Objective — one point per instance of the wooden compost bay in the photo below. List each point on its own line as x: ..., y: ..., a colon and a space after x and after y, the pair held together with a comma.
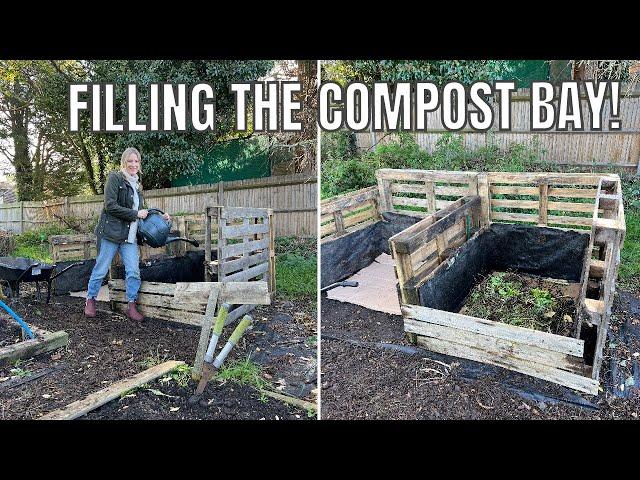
x: 445, y: 230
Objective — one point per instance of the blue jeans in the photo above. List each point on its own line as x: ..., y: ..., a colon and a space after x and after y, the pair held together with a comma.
x: 130, y: 258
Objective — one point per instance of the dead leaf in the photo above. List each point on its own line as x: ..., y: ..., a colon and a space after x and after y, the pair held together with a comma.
x: 567, y: 318
x: 549, y: 314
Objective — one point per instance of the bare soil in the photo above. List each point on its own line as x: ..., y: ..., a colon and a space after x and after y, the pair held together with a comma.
x: 111, y: 347
x: 369, y: 371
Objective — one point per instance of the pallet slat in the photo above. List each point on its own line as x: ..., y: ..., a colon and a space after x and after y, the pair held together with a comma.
x: 549, y: 341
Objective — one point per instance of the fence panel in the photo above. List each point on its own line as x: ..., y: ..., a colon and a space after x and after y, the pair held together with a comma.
x: 292, y: 198
x: 618, y: 148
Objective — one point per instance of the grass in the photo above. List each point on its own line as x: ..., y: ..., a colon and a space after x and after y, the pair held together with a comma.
x: 153, y: 359
x: 244, y: 372
x: 629, y: 271
x: 296, y: 267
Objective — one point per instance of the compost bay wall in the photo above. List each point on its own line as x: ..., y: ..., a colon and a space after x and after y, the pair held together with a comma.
x: 292, y: 198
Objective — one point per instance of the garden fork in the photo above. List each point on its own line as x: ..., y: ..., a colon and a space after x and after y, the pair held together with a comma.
x: 210, y: 365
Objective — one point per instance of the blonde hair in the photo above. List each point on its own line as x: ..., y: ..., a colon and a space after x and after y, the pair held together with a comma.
x: 125, y: 155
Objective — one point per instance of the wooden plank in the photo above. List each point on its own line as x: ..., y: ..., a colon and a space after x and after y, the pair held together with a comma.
x: 515, y: 217
x: 419, y: 188
x: 246, y: 275
x: 238, y: 312
x: 514, y: 190
x: 342, y: 202
x: 112, y: 392
x: 572, y: 206
x: 410, y: 202
x: 244, y: 212
x: 499, y: 346
x: 551, y: 177
x: 524, y: 204
x: 549, y: 341
x: 566, y: 220
x: 297, y: 402
x: 205, y: 331
x: 254, y: 293
x: 561, y: 377
x: 238, y: 249
x: 178, y: 316
x: 572, y: 192
x: 358, y: 217
x: 420, y: 237
x: 230, y: 266
x: 240, y: 230
x: 33, y: 347
x: 426, y: 175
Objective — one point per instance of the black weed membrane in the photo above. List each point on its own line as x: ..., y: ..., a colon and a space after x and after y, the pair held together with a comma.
x: 347, y: 255
x: 539, y: 251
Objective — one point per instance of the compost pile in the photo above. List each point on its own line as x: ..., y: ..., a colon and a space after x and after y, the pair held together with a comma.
x: 522, y: 300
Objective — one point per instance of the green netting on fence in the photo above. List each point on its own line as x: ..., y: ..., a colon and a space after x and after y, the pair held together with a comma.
x: 232, y: 160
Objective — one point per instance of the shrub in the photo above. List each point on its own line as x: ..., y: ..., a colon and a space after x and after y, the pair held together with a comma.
x: 34, y: 244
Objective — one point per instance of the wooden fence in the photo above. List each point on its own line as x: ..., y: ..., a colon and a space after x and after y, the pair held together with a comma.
x: 292, y: 198
x: 620, y: 148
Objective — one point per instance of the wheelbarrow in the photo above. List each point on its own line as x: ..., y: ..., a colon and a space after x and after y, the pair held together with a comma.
x: 14, y: 270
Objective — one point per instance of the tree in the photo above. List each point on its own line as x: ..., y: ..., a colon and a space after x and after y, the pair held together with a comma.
x: 168, y: 155
x: 24, y: 141
x: 438, y: 71
x: 301, y: 146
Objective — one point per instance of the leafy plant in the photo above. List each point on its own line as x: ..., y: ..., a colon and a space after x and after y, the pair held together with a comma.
x: 542, y: 299
x: 18, y: 371
x: 181, y: 375
x: 505, y: 289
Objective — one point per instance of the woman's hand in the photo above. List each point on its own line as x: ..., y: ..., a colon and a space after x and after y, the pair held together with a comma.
x: 166, y: 217
x: 143, y: 213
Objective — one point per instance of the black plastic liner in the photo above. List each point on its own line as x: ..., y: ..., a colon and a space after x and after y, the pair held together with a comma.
x: 541, y: 251
x: 188, y: 268
x: 73, y: 280
x: 346, y: 255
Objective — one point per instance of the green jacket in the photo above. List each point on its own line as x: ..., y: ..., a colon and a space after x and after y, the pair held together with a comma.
x: 117, y: 214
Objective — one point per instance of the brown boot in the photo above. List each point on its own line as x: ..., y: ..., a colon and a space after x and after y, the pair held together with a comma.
x: 133, y: 313
x: 90, y: 308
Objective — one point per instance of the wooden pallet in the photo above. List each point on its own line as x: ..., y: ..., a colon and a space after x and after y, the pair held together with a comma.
x: 187, y: 302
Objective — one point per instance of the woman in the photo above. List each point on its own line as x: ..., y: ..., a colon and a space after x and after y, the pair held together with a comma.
x: 116, y: 231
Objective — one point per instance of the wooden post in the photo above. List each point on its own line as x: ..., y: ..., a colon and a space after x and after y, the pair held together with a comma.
x: 485, y: 200
x: 543, y: 202
x: 272, y: 255
x: 431, y: 196
x: 337, y: 218
x: 207, y: 242
x: 220, y: 192
x: 21, y: 216
x: 222, y: 241
x: 205, y: 332
x: 384, y: 189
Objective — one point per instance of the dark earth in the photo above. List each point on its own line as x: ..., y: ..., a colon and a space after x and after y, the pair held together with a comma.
x: 111, y: 347
x: 362, y: 379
